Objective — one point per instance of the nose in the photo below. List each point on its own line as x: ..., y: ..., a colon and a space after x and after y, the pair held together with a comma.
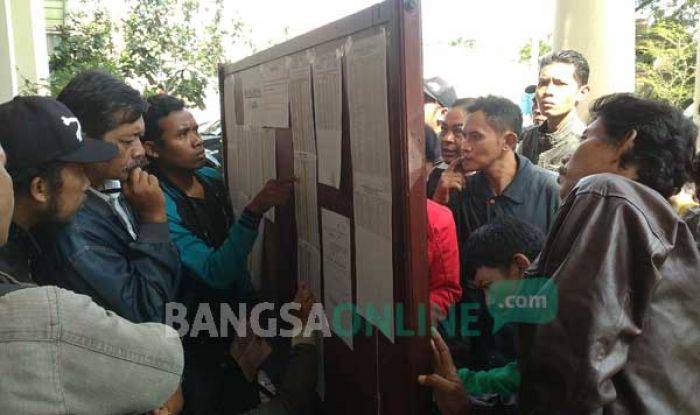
x: 138, y: 151
x: 449, y: 137
x: 548, y: 89
x: 196, y: 140
x: 466, y: 148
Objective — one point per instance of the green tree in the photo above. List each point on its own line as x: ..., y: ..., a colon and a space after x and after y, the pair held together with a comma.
x: 666, y: 62
x: 686, y: 12
x: 87, y: 41
x: 462, y: 42
x: 526, y: 51
x: 163, y: 46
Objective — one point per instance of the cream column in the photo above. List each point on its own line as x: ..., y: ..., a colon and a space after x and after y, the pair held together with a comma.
x: 8, y: 76
x: 696, y: 100
x: 604, y: 32
x: 30, y: 42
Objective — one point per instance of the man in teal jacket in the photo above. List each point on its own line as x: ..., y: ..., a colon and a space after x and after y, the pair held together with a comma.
x: 214, y: 249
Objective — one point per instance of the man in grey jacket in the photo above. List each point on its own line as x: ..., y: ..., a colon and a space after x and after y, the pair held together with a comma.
x: 60, y: 353
x: 562, y: 84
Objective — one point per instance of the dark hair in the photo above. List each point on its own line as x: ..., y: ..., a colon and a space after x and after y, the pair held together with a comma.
x: 433, y: 152
x: 49, y: 172
x: 581, y: 69
x: 101, y: 102
x: 463, y: 103
x: 159, y: 106
x: 495, y: 244
x: 501, y: 113
x: 664, y: 148
x: 695, y: 173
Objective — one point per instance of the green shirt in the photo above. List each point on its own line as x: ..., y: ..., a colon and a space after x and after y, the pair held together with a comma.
x: 503, y: 380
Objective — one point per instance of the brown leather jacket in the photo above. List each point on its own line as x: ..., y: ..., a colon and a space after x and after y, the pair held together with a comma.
x: 626, y: 339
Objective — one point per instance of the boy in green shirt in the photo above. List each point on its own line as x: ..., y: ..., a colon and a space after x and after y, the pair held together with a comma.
x: 499, y: 251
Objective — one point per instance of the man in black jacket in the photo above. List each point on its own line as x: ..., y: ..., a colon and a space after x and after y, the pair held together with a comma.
x: 46, y: 154
x: 117, y: 249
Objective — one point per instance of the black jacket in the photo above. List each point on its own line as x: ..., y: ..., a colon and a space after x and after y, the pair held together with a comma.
x: 95, y: 255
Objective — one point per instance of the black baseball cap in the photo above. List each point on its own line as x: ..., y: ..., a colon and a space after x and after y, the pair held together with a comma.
x: 37, y: 130
x: 439, y: 90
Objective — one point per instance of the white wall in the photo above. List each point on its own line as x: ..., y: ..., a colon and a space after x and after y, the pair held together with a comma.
x: 8, y: 76
x: 23, y: 52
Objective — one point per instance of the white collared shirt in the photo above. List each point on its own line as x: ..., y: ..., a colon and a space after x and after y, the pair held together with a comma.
x: 117, y: 205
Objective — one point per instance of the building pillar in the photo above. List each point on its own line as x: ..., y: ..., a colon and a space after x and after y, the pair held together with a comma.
x: 8, y: 75
x: 696, y: 96
x: 31, y: 54
x: 604, y: 32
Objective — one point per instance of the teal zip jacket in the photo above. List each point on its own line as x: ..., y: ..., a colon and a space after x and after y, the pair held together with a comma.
x: 224, y: 267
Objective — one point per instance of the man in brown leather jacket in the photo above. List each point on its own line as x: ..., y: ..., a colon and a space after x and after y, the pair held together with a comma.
x: 626, y: 338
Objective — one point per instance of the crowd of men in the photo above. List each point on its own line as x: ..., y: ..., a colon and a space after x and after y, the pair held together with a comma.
x: 603, y: 231
x: 108, y: 198
x: 108, y: 212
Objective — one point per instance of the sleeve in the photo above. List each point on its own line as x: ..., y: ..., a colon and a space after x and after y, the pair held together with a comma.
x: 443, y: 252
x: 136, y: 284
x: 599, y: 255
x: 111, y: 365
x: 552, y: 199
x: 224, y: 267
x: 503, y: 381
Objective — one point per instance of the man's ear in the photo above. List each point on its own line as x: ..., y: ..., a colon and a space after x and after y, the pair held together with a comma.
x: 511, y: 140
x: 151, y: 149
x: 582, y: 92
x: 518, y: 265
x: 39, y: 190
x: 626, y: 144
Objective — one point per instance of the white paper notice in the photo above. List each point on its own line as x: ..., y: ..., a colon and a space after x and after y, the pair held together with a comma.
x: 252, y: 97
x: 233, y: 136
x: 309, y: 266
x: 337, y: 273
x: 237, y: 165
x: 305, y: 198
x: 274, y: 95
x: 371, y: 166
x: 255, y: 160
x: 269, y: 162
x: 300, y: 101
x: 255, y: 259
x: 328, y: 104
x: 230, y: 101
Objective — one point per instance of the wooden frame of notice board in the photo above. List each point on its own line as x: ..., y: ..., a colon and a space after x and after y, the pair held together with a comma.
x: 377, y: 375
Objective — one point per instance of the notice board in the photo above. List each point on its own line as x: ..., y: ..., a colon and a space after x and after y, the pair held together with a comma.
x: 340, y: 108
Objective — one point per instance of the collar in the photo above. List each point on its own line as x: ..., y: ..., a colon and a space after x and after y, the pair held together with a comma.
x: 99, y: 194
x: 572, y: 124
x: 107, y: 190
x: 110, y: 186
x: 517, y: 189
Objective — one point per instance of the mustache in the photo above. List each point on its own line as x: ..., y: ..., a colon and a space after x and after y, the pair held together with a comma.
x: 140, y: 162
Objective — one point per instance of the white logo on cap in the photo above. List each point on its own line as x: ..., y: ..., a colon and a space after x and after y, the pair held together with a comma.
x: 67, y: 121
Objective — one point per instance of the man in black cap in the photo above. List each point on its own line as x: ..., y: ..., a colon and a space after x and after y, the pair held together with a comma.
x: 46, y: 152
x: 117, y: 249
x: 438, y: 97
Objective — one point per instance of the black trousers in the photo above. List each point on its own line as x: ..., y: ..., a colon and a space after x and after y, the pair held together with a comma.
x: 213, y: 384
